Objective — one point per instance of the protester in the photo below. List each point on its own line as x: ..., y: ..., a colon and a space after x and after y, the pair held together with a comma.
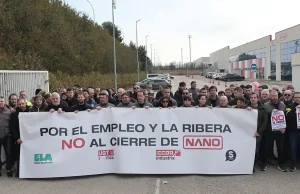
x: 15, y: 128
x: 82, y: 104
x: 269, y: 135
x: 213, y: 100
x: 5, y: 136
x: 141, y: 103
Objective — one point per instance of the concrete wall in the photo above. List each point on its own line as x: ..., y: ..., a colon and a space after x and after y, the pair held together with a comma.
x: 220, y: 58
x: 296, y: 71
x: 283, y: 36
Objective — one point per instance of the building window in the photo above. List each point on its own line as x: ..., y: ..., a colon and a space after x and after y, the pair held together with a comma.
x: 286, y: 51
x: 273, y: 62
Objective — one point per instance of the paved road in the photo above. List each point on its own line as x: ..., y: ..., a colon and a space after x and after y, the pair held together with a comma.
x: 271, y: 181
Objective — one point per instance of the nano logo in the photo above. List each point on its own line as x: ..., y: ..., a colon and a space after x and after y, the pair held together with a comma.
x: 208, y: 142
x: 42, y: 158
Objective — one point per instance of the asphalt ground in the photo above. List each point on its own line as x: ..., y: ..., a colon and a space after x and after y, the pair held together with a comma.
x: 270, y: 181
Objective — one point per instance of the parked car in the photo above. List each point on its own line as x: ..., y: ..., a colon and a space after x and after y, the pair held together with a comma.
x: 209, y: 74
x: 233, y: 77
x: 155, y: 82
x: 220, y: 75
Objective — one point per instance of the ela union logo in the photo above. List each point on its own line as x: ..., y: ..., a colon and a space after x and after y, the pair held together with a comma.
x: 42, y: 158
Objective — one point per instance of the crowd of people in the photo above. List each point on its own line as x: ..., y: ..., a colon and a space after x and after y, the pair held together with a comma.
x: 264, y: 99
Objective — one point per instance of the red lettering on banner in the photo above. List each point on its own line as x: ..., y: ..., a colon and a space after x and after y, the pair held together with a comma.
x: 203, y: 142
x: 277, y: 118
x: 168, y: 153
x: 77, y: 143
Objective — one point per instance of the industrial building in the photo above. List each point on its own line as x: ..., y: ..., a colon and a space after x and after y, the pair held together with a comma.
x: 276, y: 59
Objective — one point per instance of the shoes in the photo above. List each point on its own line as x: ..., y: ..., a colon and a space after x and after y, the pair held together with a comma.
x: 263, y: 167
x: 282, y: 168
x: 9, y: 174
x: 293, y: 169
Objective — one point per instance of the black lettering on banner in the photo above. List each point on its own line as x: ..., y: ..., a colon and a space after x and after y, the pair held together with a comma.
x: 139, y: 128
x: 132, y: 141
x: 130, y: 128
x: 53, y: 131
x: 169, y: 141
x: 95, y: 129
x: 105, y: 129
x: 78, y: 130
x: 153, y: 127
x: 172, y: 128
x: 97, y: 143
x: 208, y: 128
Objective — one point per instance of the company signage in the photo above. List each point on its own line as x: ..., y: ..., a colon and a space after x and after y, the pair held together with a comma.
x: 139, y: 141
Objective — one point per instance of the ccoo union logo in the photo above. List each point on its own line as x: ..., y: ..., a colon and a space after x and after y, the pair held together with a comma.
x: 42, y: 158
x: 167, y: 154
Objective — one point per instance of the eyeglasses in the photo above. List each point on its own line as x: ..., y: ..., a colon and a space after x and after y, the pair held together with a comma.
x: 165, y: 101
x: 287, y: 94
x: 136, y: 88
x: 185, y: 93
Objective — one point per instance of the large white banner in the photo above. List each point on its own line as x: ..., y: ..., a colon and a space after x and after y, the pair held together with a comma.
x: 140, y: 141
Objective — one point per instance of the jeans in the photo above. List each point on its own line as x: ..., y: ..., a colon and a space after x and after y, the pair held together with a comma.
x: 294, y: 139
x: 6, y: 143
x: 267, y: 145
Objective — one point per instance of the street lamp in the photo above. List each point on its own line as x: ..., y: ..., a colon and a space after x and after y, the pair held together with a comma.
x: 187, y: 73
x: 114, y: 38
x: 146, y: 55
x: 137, y: 51
x: 92, y: 8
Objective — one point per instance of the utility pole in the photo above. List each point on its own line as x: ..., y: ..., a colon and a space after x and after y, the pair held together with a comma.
x: 146, y: 55
x: 187, y: 71
x: 154, y: 57
x: 137, y: 51
x: 181, y: 57
x: 114, y: 37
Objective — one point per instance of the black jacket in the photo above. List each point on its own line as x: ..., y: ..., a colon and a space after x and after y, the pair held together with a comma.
x: 14, y: 126
x: 262, y: 118
x: 210, y: 102
x: 178, y: 96
x: 80, y: 107
x: 291, y: 118
x: 63, y: 105
x: 71, y: 102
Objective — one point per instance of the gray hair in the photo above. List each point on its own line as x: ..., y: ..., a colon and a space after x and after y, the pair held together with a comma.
x: 55, y: 95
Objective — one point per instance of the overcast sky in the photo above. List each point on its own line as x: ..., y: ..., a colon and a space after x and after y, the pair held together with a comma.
x: 213, y: 24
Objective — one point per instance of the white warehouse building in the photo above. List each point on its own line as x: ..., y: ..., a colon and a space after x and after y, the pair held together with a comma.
x: 273, y: 58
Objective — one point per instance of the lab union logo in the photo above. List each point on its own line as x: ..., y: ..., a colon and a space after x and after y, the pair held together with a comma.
x: 42, y: 158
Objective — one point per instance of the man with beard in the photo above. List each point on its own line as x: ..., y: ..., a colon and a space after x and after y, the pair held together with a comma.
x: 178, y: 96
x: 223, y: 102
x: 15, y: 128
x: 269, y: 135
x: 81, y: 105
x: 12, y: 101
x: 56, y: 104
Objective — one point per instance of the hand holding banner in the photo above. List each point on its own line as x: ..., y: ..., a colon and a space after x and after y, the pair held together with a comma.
x: 298, y: 116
